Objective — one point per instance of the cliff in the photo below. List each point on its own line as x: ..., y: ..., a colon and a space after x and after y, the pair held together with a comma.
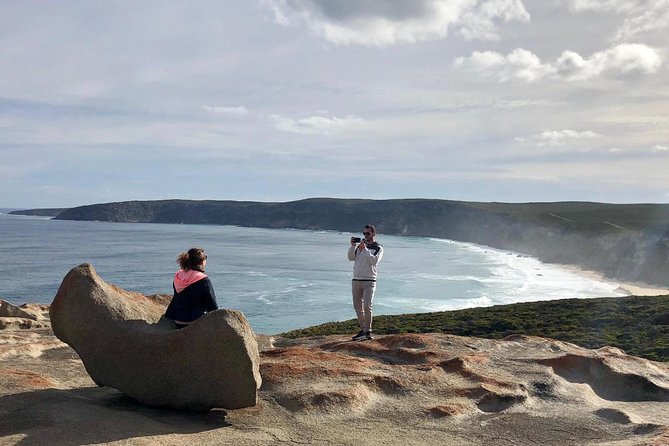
x: 625, y: 242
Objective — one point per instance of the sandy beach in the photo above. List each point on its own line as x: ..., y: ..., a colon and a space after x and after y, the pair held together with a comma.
x: 628, y: 288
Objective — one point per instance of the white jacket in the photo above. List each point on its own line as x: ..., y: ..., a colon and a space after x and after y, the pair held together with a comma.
x: 366, y: 261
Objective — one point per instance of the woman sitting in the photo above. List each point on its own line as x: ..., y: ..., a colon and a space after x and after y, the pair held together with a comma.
x: 193, y: 292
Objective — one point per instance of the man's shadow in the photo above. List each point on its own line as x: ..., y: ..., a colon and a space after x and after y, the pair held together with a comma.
x: 93, y: 415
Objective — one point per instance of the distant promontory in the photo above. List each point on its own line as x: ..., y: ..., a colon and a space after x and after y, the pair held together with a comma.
x: 49, y: 212
x: 623, y: 241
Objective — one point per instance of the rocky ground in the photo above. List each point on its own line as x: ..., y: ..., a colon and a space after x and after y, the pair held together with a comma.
x: 395, y: 389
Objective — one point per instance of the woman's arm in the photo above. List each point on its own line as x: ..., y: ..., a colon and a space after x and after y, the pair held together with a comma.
x: 208, y: 295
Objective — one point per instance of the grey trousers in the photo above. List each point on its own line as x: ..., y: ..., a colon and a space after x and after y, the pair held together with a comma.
x: 363, y: 294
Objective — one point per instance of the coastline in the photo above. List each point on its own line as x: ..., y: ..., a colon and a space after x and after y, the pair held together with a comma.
x: 626, y: 288
x: 629, y: 288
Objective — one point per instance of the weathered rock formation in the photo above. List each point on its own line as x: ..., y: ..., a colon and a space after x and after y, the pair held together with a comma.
x: 427, y: 389
x: 25, y: 316
x: 124, y: 344
x: 521, y: 390
x: 9, y: 310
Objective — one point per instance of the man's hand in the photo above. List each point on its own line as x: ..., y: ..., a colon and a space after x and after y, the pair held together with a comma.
x: 362, y: 245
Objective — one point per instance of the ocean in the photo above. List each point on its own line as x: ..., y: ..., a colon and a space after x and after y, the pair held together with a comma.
x: 281, y: 279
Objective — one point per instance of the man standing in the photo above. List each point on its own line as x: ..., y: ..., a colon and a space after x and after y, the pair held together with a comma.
x: 366, y: 255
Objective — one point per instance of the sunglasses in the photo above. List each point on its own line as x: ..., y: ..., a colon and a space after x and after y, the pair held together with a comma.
x: 366, y: 233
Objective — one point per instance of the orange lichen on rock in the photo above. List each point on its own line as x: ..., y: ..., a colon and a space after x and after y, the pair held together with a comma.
x: 449, y: 410
x: 30, y: 380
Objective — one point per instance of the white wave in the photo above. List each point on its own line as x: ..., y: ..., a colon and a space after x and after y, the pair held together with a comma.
x: 294, y: 288
x: 482, y: 301
x: 264, y: 298
x: 255, y: 274
x: 447, y: 278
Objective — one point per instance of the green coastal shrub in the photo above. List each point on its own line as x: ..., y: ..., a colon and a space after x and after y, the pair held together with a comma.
x: 637, y: 325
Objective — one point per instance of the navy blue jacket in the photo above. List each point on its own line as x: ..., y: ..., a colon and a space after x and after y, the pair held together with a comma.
x: 192, y: 302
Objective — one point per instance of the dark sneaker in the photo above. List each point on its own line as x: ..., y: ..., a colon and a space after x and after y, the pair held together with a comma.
x: 361, y: 334
x: 368, y: 335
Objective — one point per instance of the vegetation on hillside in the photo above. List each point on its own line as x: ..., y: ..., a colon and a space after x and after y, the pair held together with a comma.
x: 49, y: 212
x: 637, y: 325
x: 587, y: 216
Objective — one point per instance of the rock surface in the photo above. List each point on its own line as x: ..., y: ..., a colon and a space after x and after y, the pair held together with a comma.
x: 429, y: 389
x: 124, y: 344
x: 9, y: 310
x: 25, y: 316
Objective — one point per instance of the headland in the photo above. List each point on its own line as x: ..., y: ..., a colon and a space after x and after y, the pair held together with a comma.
x: 626, y: 242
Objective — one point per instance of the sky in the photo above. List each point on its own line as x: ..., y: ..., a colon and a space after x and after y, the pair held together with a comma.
x: 280, y: 100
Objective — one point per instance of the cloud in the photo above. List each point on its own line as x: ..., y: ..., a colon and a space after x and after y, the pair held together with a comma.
x: 635, y: 120
x: 519, y: 64
x: 623, y: 58
x: 555, y: 138
x: 641, y: 16
x: 217, y: 109
x: 654, y: 19
x: 523, y: 65
x: 602, y: 5
x: 659, y: 148
x: 383, y: 22
x: 316, y: 125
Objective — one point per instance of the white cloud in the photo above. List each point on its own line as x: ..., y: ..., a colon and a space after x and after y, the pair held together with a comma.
x: 641, y: 16
x: 659, y: 148
x: 623, y: 58
x: 521, y: 64
x: 559, y: 137
x: 382, y: 22
x: 316, y: 125
x: 479, y: 23
x: 651, y: 20
x: 217, y: 109
x: 602, y: 5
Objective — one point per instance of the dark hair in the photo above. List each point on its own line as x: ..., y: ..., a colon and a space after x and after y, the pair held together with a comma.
x: 371, y: 228
x: 192, y: 259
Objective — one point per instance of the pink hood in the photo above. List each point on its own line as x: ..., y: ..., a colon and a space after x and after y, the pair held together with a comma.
x: 184, y: 278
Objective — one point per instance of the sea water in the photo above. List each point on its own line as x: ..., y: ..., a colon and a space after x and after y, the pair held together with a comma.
x: 280, y: 279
